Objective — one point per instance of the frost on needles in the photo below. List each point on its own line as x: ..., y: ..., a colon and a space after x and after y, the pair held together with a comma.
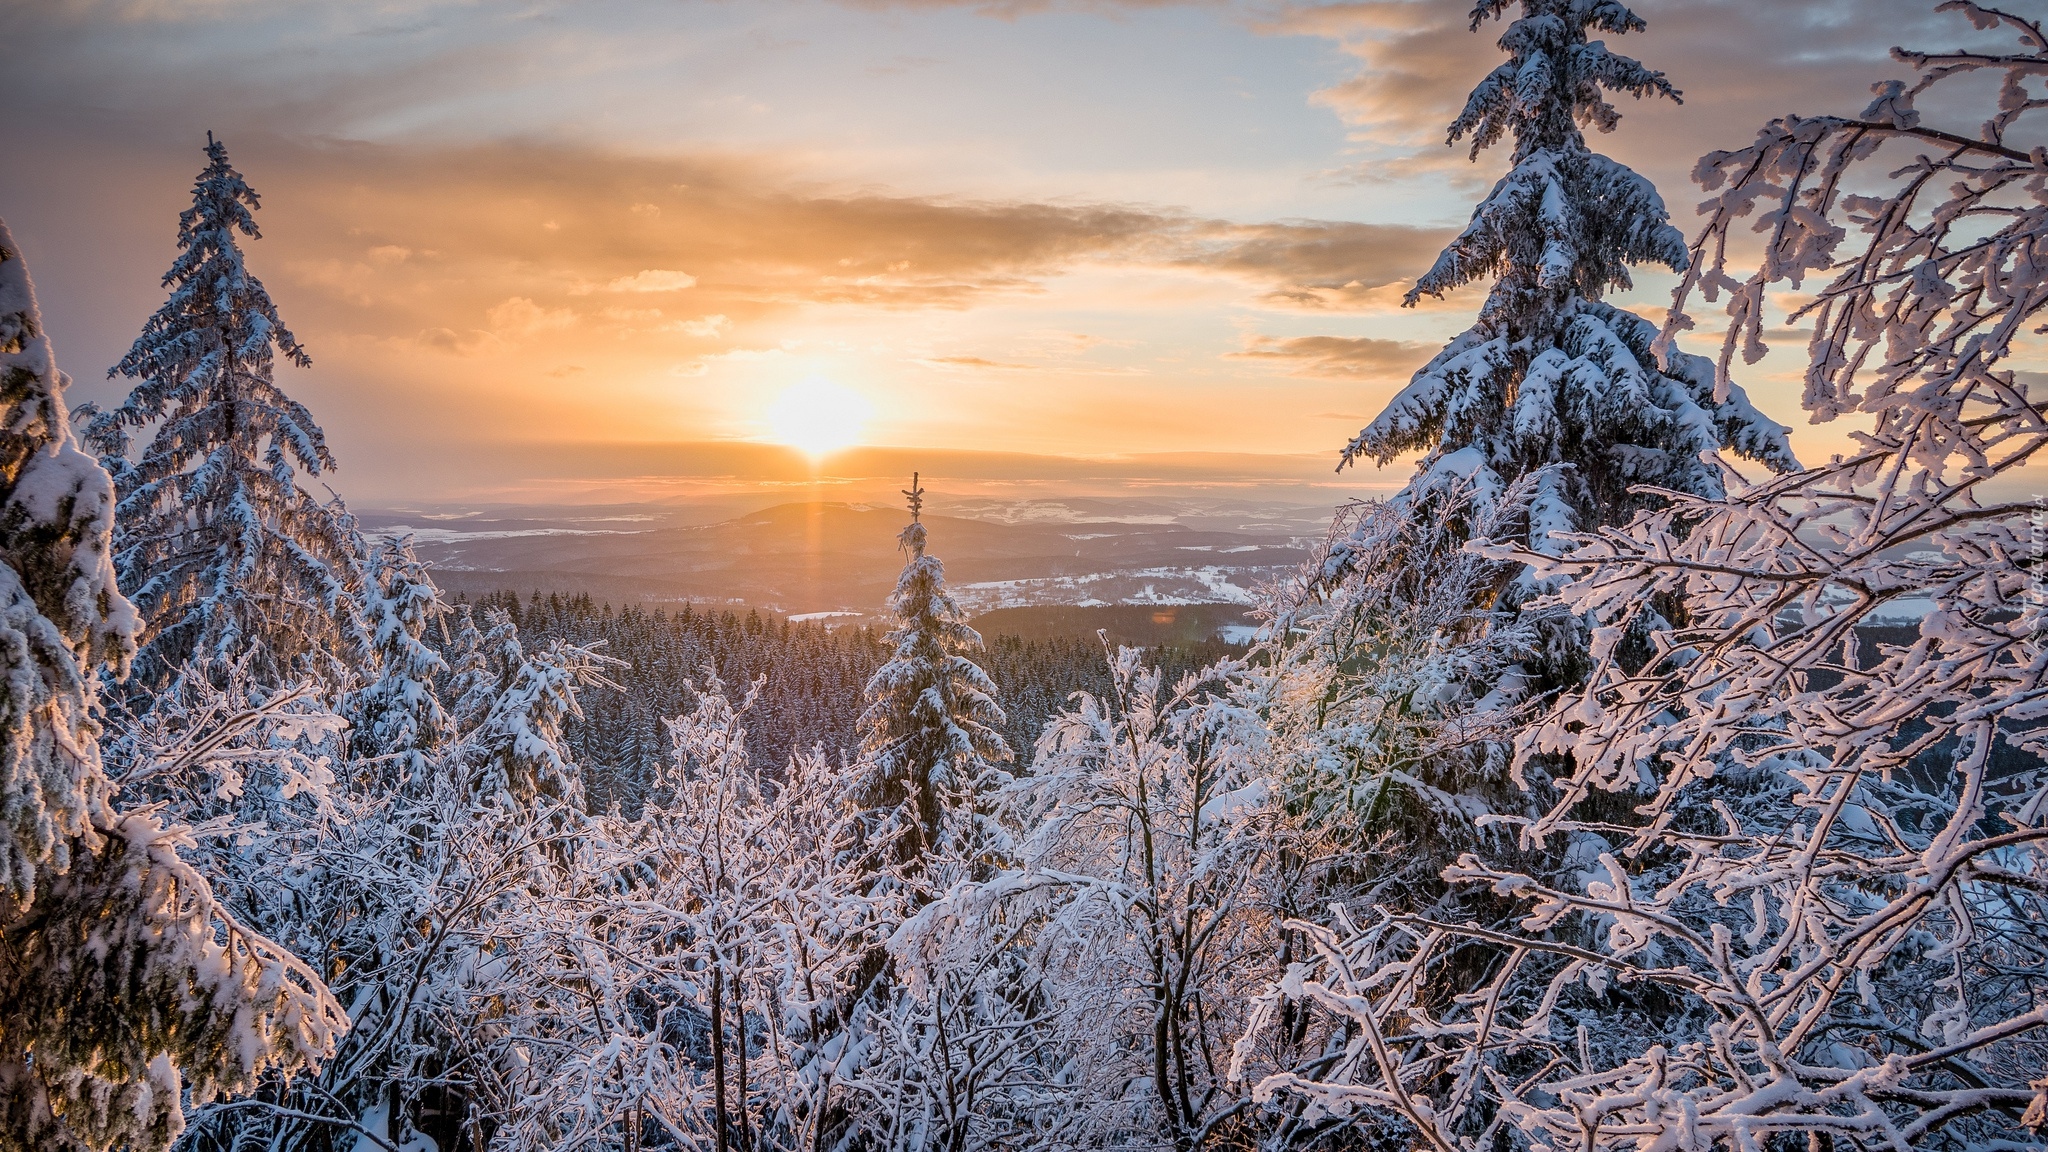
x: 1552, y: 381
x: 220, y: 547
x: 126, y: 986
x: 931, y: 734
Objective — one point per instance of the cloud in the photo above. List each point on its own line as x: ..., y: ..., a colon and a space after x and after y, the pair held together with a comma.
x: 755, y: 243
x: 1339, y: 356
x: 1318, y: 263
x: 653, y: 280
x: 977, y: 362
x: 1739, y: 63
x: 747, y: 234
x: 704, y: 326
x: 521, y: 317
x: 1012, y: 9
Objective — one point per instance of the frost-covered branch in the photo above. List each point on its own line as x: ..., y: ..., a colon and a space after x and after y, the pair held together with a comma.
x: 1802, y: 817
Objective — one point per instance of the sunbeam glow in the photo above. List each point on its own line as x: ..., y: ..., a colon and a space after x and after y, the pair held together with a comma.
x: 817, y: 416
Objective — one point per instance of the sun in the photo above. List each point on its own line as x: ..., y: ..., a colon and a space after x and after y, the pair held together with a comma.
x: 817, y: 416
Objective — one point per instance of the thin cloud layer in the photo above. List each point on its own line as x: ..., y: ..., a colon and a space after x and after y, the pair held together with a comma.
x: 516, y: 240
x: 638, y: 222
x: 1738, y: 64
x: 1340, y: 357
x: 488, y: 291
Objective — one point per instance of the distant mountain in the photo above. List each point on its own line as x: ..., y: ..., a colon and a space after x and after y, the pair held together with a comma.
x: 815, y: 558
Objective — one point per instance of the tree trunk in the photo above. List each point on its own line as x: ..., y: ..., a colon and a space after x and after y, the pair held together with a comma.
x: 718, y: 1054
x: 739, y: 1006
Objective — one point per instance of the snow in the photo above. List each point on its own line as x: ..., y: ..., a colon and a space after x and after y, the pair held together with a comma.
x: 1543, y: 813
x: 1790, y: 877
x: 267, y: 568
x: 1205, y: 584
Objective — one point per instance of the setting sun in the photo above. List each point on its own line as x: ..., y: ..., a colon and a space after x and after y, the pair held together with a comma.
x: 818, y: 416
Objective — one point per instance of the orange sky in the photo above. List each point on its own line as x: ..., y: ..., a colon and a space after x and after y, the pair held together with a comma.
x: 539, y: 250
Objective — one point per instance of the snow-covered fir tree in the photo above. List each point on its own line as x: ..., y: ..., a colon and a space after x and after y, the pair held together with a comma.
x: 1551, y: 380
x: 931, y: 732
x: 399, y: 715
x: 1553, y: 413
x: 219, y: 544
x: 126, y: 987
x: 483, y: 661
x: 1812, y: 908
x: 516, y: 755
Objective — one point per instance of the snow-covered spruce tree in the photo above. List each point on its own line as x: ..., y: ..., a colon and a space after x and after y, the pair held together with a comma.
x: 400, y: 715
x: 1552, y: 394
x: 931, y: 734
x: 1552, y: 381
x: 125, y: 985
x: 218, y: 543
x: 1834, y: 880
x: 482, y: 662
x: 515, y: 756
x: 1374, y: 671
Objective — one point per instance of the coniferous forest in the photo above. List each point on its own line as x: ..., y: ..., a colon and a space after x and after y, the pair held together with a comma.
x: 812, y: 680
x: 1586, y: 795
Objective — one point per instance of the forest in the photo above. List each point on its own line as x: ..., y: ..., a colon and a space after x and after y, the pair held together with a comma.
x: 811, y: 680
x: 1589, y: 794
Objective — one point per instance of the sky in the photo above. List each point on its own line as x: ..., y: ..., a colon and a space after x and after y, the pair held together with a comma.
x: 582, y: 250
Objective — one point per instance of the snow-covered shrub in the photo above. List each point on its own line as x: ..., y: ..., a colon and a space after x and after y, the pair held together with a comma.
x: 1081, y: 995
x: 693, y: 973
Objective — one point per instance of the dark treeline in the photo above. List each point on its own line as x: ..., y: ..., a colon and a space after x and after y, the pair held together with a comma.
x: 1038, y: 676
x: 813, y: 688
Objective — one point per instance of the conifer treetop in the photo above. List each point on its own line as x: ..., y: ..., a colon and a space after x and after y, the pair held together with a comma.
x: 400, y: 713
x: 911, y: 539
x: 222, y: 549
x: 1565, y: 220
x: 1551, y: 381
x: 218, y: 320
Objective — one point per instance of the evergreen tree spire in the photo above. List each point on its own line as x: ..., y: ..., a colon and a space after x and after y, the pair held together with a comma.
x: 931, y: 730
x: 219, y: 545
x: 486, y: 662
x: 1551, y: 380
x: 125, y: 985
x: 399, y: 714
